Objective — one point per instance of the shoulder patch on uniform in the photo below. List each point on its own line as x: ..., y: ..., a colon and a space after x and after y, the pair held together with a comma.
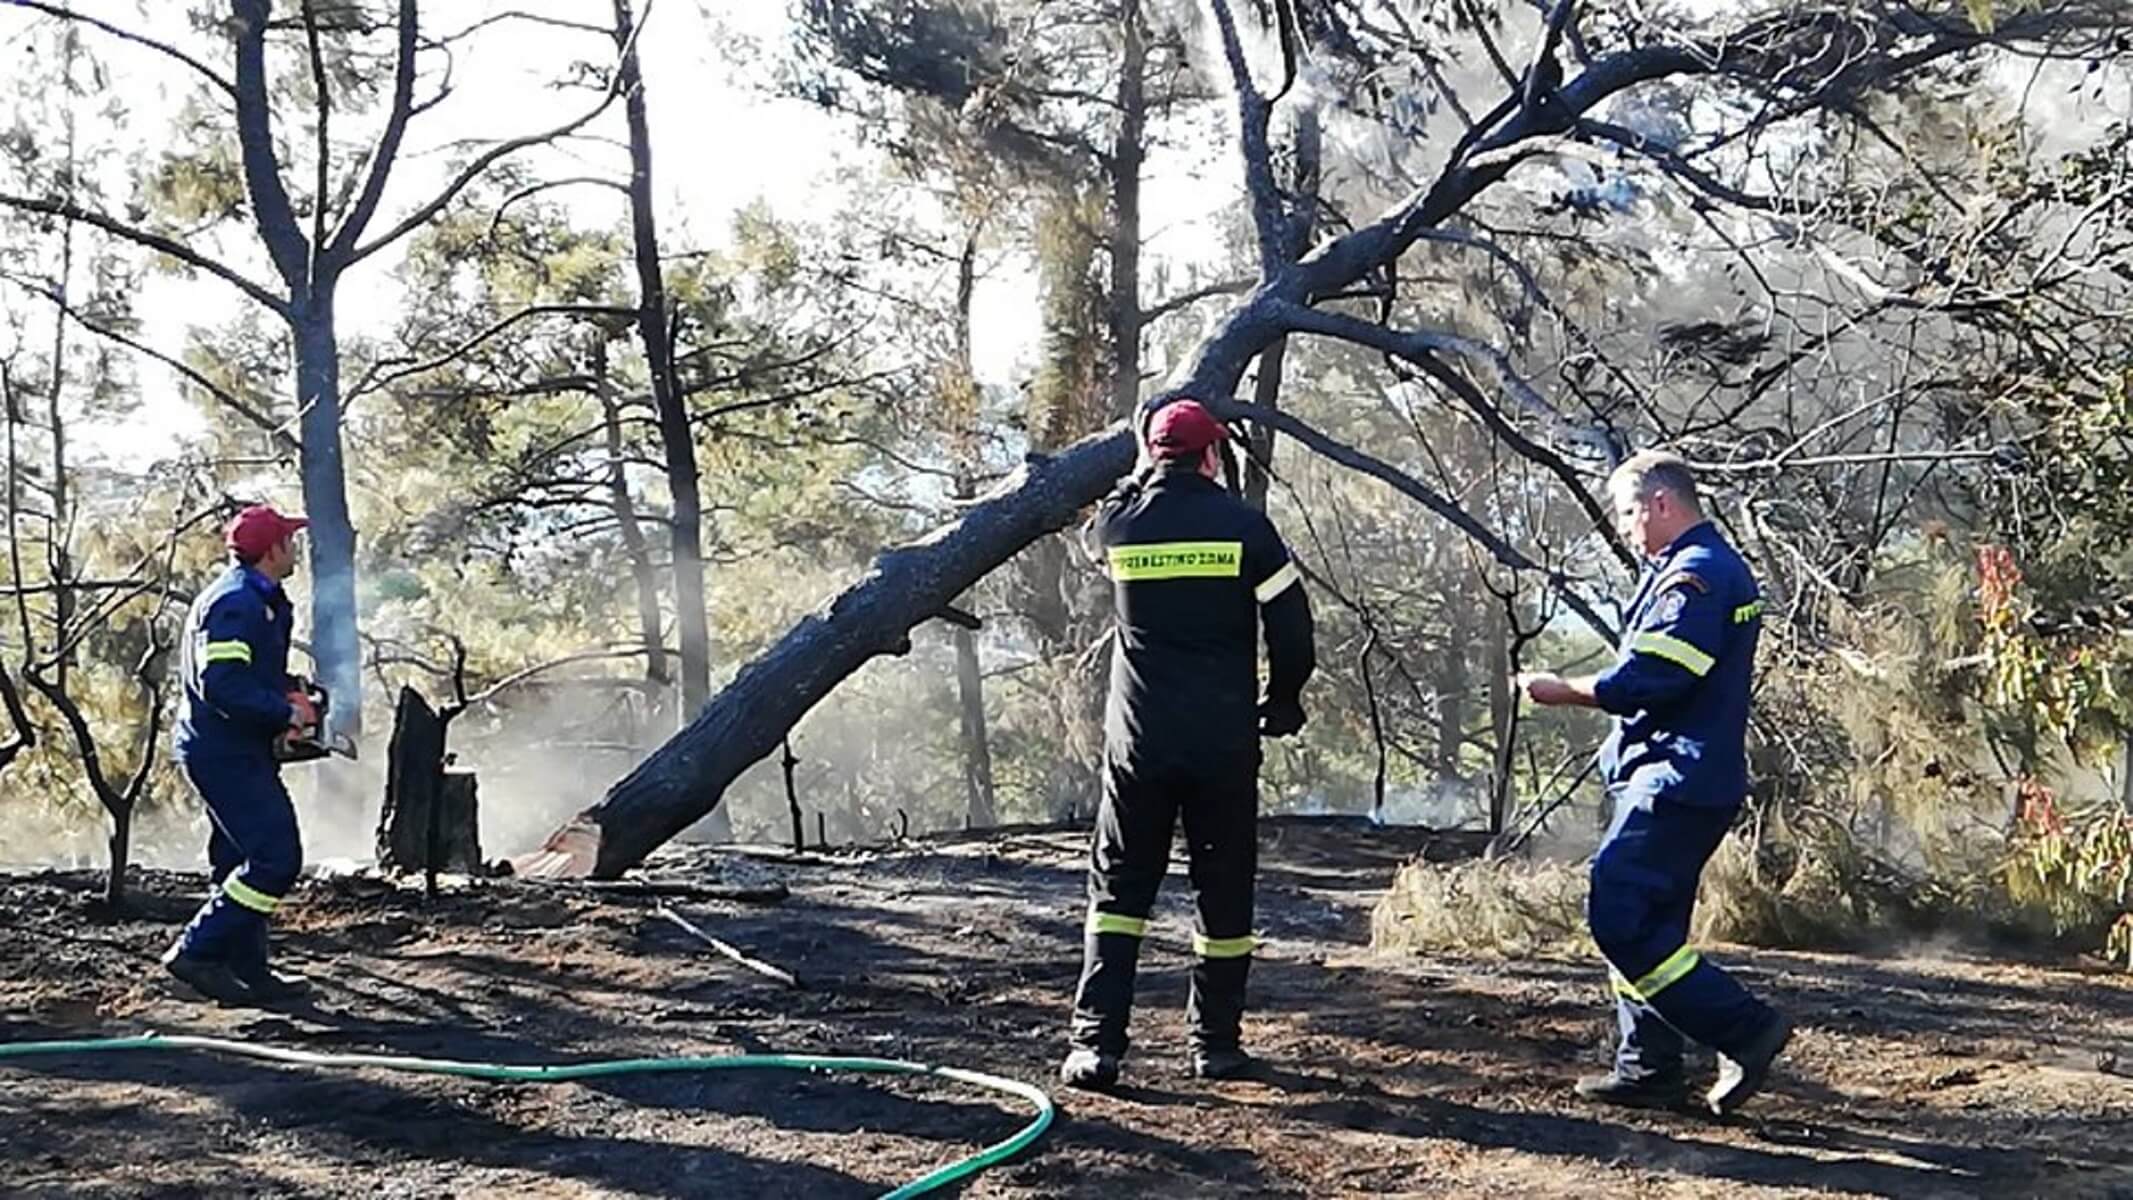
x: 1668, y: 610
x: 1685, y: 579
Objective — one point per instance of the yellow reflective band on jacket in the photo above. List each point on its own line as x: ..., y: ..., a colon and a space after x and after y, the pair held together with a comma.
x: 1103, y: 922
x: 227, y: 652
x: 1674, y: 650
x: 1659, y: 978
x: 249, y: 896
x: 1747, y: 612
x: 1277, y: 583
x: 1177, y: 560
x: 1236, y: 947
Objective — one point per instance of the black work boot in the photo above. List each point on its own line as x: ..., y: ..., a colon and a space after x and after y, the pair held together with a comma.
x: 1089, y: 1069
x: 1214, y: 1012
x: 1103, y: 1003
x: 1649, y: 1091
x: 1741, y: 1076
x: 1225, y: 1062
x: 211, y: 979
x: 267, y: 984
x: 251, y: 966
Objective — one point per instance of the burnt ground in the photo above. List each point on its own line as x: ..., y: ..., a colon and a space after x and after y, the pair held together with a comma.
x: 1922, y: 1076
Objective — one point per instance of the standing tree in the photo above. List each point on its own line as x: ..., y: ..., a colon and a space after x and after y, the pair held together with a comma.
x: 312, y: 238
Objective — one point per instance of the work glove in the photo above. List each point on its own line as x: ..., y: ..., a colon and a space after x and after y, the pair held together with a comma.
x: 1280, y: 718
x: 303, y: 715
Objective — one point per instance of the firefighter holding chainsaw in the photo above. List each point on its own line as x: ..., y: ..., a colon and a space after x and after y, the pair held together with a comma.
x: 241, y: 713
x: 1196, y: 573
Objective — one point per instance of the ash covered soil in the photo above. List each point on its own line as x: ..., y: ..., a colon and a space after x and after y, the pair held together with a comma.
x: 1917, y: 1076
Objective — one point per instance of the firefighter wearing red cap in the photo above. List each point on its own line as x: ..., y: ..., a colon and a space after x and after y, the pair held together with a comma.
x: 1196, y: 573
x: 239, y: 701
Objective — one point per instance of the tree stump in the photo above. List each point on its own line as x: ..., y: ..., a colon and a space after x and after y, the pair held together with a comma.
x: 431, y: 818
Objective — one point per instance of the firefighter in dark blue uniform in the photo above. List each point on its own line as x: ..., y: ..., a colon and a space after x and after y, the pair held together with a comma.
x: 1675, y: 767
x: 1196, y: 573
x: 239, y: 701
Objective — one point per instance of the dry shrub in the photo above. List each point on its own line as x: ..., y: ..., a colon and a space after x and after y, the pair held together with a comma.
x: 1817, y: 890
x: 1504, y: 906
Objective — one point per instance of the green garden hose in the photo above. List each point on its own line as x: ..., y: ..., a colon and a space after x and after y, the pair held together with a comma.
x: 995, y: 1153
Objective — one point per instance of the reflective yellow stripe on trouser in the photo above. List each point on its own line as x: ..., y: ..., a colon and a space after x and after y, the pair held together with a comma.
x: 250, y: 897
x: 1236, y: 947
x: 1103, y: 922
x: 1659, y: 978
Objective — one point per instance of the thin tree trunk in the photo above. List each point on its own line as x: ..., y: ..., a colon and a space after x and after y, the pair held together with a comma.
x: 677, y: 438
x: 789, y: 764
x: 633, y: 541
x: 2125, y: 772
x: 977, y: 751
x: 56, y: 555
x: 1266, y: 393
x: 963, y: 403
x: 335, y: 650
x: 1453, y: 679
x: 1127, y: 153
x: 1503, y: 718
x: 121, y: 845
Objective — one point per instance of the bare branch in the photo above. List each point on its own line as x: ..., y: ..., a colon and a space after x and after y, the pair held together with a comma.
x: 277, y: 431
x: 154, y: 241
x: 67, y: 14
x: 1228, y: 287
x: 521, y: 676
x: 343, y: 251
x: 324, y: 100
x: 285, y: 241
x: 1348, y: 456
x: 1780, y: 463
x: 1253, y: 111
x: 1416, y: 344
x: 483, y: 162
x: 1545, y: 75
x: 535, y: 189
x: 373, y: 379
x: 530, y: 18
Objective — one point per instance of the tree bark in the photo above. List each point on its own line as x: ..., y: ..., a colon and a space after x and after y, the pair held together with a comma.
x: 1127, y: 153
x: 431, y: 819
x: 677, y: 438
x: 56, y: 548
x: 1258, y: 467
x: 336, y: 652
x: 1503, y: 718
x: 634, y: 546
x: 1453, y: 680
x: 977, y: 750
x: 963, y: 403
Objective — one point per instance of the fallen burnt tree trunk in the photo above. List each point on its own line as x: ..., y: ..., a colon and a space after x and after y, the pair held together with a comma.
x: 687, y: 777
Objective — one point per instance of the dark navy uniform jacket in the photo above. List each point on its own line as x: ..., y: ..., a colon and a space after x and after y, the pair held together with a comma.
x: 1680, y: 688
x: 235, y: 662
x: 1196, y: 572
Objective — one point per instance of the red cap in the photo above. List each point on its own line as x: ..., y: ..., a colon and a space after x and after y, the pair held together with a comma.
x: 258, y: 529
x: 1182, y: 429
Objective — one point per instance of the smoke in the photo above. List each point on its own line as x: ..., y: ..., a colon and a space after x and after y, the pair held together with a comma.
x: 547, y: 750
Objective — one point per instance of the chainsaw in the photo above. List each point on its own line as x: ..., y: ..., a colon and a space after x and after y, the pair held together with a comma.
x: 313, y: 740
